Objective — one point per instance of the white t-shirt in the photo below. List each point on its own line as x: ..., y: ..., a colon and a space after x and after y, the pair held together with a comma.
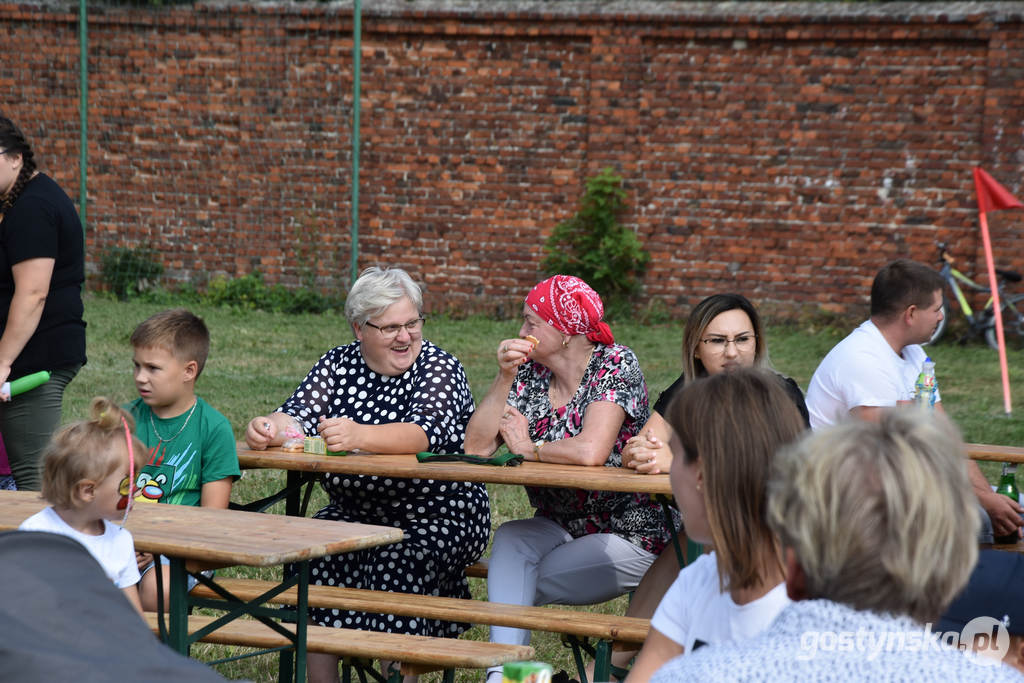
x: 113, y: 549
x: 695, y: 611
x: 862, y: 370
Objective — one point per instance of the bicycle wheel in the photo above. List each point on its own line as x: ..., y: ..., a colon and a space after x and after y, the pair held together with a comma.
x: 1013, y: 324
x: 941, y: 328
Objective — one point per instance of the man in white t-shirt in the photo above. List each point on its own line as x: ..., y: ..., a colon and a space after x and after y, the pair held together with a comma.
x: 876, y: 366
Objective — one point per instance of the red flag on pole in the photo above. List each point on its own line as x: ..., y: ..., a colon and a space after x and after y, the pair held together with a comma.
x: 991, y: 195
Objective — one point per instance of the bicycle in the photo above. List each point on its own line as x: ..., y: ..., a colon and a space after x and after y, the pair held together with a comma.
x: 981, y: 322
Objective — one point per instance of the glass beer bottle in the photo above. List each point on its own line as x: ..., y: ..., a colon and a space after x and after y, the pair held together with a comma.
x: 1008, y: 487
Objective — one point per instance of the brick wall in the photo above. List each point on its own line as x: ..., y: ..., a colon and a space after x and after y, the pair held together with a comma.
x: 783, y: 150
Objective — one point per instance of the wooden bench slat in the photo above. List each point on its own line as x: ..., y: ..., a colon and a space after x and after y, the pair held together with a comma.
x: 418, y: 651
x: 551, y: 619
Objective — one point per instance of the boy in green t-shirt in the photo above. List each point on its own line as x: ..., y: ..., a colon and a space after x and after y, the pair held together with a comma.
x: 193, y: 458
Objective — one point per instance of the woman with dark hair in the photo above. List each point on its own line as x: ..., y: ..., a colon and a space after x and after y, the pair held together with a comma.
x: 726, y: 429
x: 42, y: 268
x: 723, y: 334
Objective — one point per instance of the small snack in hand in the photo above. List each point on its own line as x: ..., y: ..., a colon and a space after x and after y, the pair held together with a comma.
x: 533, y: 340
x: 293, y: 440
x: 314, y: 445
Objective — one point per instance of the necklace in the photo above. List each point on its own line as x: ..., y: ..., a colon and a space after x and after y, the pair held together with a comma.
x: 152, y: 424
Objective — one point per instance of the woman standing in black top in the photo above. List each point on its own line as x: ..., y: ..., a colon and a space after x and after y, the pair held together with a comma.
x: 42, y: 269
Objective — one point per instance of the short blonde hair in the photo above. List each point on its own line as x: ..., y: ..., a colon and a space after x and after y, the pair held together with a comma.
x: 733, y: 423
x: 91, y: 449
x: 881, y: 515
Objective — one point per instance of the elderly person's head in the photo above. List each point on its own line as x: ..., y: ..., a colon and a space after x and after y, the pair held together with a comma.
x: 877, y: 516
x: 723, y: 333
x: 562, y: 308
x: 726, y: 431
x: 385, y: 309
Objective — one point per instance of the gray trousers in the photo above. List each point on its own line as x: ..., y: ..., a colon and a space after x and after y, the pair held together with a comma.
x: 537, y: 562
x: 27, y: 423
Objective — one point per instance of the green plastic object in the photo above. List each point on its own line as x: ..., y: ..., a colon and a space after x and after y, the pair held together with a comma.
x: 505, y: 459
x: 526, y: 672
x: 26, y: 383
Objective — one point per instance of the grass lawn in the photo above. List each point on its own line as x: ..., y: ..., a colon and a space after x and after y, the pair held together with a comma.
x: 258, y: 358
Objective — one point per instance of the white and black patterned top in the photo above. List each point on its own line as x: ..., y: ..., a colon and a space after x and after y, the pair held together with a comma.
x: 614, y: 375
x: 447, y: 524
x: 433, y: 393
x: 821, y: 640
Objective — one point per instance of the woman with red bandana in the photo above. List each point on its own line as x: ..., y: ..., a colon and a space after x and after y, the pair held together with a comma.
x: 567, y: 393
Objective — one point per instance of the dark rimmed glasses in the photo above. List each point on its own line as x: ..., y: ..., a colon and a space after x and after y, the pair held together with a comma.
x: 391, y: 331
x: 743, y: 342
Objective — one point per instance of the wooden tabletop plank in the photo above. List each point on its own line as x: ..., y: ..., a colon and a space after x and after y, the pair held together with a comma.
x: 407, y: 467
x: 227, y: 537
x: 992, y: 452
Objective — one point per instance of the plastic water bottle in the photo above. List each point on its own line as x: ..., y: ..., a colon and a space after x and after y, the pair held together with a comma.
x: 924, y: 388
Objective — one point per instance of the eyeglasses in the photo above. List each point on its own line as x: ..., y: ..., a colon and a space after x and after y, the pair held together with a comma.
x: 743, y: 342
x: 391, y: 331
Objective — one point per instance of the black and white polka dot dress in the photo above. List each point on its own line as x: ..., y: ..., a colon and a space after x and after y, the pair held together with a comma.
x: 446, y: 524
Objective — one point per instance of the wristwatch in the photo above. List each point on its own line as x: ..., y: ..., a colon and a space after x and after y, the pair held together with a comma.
x: 536, y: 449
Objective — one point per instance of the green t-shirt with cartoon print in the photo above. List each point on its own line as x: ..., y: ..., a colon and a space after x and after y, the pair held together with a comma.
x: 191, y: 449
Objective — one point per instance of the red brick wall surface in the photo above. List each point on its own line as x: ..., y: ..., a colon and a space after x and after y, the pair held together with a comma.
x: 782, y: 150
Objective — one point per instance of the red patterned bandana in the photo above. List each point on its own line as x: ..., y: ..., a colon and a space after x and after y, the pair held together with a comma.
x: 568, y: 304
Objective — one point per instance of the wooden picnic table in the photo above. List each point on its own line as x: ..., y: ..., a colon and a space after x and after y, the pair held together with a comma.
x: 302, y: 468
x: 226, y: 538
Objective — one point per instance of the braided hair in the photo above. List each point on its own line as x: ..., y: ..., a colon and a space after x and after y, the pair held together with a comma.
x: 12, y: 141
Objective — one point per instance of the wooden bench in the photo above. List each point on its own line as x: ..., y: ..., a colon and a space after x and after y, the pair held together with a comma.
x: 575, y: 627
x: 417, y: 654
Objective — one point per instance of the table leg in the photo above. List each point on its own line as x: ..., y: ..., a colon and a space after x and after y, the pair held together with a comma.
x: 673, y: 532
x: 301, y: 621
x: 178, y: 612
x: 602, y: 660
x: 291, y: 506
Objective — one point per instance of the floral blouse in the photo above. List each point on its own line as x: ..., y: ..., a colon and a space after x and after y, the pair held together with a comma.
x: 614, y: 375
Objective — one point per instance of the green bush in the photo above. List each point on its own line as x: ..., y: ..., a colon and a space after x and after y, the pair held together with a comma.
x: 128, y: 272
x: 251, y: 293
x: 593, y: 245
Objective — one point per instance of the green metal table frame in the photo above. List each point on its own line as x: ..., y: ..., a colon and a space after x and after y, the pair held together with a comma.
x: 175, y: 631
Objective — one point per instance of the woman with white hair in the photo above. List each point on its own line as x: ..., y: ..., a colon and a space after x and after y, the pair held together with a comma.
x: 389, y: 391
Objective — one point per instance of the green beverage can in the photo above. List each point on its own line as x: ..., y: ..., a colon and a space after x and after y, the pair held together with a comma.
x: 526, y: 672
